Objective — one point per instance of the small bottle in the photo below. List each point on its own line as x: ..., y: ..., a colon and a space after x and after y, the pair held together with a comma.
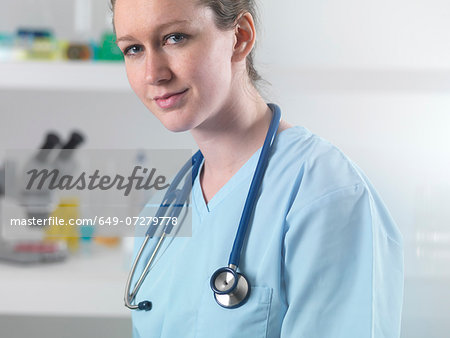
x: 77, y: 46
x: 6, y: 47
x: 86, y: 236
x: 107, y: 49
x: 69, y: 204
x: 68, y: 211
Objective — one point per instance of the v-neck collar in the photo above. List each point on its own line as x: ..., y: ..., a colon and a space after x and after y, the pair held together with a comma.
x: 242, y: 174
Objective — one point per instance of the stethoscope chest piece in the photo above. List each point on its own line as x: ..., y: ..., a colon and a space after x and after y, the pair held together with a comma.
x: 231, y: 289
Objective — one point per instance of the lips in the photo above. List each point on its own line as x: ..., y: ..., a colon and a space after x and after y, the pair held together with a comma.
x: 169, y: 100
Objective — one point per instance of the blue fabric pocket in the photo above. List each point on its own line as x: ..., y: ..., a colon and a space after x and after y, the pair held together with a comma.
x: 248, y: 320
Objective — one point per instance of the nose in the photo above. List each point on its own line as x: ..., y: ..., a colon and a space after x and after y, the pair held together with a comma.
x: 157, y: 70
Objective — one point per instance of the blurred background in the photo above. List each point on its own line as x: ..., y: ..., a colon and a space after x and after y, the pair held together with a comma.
x: 371, y: 77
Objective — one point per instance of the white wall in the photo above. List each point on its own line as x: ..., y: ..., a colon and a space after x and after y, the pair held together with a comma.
x: 357, y: 33
x: 68, y: 19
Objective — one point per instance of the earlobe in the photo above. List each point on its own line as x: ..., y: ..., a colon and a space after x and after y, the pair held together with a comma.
x: 244, y: 37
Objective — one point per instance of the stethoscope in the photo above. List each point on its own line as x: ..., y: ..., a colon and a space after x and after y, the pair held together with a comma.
x: 231, y: 288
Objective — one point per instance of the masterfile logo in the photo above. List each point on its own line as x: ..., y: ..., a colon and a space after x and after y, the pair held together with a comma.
x: 54, y: 179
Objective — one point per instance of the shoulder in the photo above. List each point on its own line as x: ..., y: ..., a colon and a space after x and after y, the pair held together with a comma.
x: 318, y: 175
x: 311, y: 165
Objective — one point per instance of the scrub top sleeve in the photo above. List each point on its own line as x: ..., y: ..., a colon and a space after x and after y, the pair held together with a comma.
x: 328, y: 266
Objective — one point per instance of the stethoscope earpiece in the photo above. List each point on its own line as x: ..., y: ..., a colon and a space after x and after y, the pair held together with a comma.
x: 231, y: 289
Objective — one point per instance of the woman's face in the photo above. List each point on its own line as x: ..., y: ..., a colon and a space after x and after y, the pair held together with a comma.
x: 177, y: 61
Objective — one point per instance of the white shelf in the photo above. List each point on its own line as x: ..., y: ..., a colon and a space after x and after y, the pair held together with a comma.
x: 64, y: 76
x: 82, y: 286
x: 111, y: 77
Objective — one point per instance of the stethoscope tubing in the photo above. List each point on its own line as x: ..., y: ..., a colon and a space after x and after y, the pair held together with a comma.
x: 180, y: 197
x: 250, y: 202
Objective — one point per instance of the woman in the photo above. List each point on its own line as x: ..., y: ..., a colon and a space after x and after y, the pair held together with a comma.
x: 322, y: 256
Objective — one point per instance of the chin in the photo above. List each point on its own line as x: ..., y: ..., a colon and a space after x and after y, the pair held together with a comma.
x: 176, y: 124
x: 178, y: 120
x: 176, y: 129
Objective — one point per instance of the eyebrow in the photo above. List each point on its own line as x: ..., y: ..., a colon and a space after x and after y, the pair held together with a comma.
x: 164, y: 25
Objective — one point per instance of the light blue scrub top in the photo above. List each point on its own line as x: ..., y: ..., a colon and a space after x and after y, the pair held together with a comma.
x: 323, y: 256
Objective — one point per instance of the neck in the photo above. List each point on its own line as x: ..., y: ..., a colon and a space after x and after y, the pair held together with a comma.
x: 233, y: 137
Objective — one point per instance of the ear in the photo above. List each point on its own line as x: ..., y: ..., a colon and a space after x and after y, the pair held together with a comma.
x: 244, y: 34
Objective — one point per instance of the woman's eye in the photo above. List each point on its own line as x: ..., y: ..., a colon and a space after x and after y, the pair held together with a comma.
x: 132, y: 50
x: 173, y: 39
